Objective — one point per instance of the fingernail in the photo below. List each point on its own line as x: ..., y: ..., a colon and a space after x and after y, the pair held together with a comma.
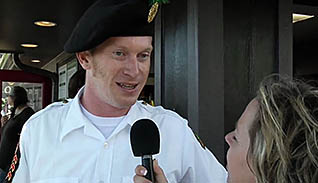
x: 156, y: 161
x: 143, y: 172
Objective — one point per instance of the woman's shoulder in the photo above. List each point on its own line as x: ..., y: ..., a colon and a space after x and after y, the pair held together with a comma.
x: 28, y: 111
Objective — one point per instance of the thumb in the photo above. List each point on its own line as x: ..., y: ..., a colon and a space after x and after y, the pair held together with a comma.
x: 159, y: 174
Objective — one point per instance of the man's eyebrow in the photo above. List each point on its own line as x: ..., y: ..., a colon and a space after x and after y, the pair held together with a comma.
x: 149, y: 48
x: 120, y: 46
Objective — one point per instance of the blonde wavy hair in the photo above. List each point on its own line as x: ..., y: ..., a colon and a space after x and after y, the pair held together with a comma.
x: 283, y: 138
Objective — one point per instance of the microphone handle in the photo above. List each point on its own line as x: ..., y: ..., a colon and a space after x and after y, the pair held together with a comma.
x: 148, y: 164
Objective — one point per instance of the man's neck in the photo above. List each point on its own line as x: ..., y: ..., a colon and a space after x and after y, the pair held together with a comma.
x: 95, y: 106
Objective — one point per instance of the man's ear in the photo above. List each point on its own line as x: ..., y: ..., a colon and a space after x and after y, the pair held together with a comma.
x: 85, y: 59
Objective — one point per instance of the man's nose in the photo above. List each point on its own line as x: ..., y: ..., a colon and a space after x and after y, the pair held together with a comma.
x: 227, y: 138
x: 132, y: 67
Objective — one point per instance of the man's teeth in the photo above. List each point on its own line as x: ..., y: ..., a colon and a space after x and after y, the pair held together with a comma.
x: 127, y: 86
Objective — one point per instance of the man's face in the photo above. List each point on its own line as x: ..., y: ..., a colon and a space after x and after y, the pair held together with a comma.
x: 239, y: 141
x: 119, y: 68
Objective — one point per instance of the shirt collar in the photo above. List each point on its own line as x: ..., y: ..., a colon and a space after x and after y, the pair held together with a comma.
x: 137, y: 112
x: 75, y: 118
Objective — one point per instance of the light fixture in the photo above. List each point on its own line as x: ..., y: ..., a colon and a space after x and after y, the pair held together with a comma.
x: 7, y: 89
x: 29, y: 45
x: 35, y: 61
x: 301, y: 17
x: 45, y: 23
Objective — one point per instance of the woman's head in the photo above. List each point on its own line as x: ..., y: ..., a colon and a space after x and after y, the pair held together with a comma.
x: 280, y: 144
x: 18, y: 96
x: 239, y: 140
x: 283, y: 140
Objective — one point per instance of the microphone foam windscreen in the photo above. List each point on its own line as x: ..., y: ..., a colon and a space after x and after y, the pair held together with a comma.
x: 144, y: 138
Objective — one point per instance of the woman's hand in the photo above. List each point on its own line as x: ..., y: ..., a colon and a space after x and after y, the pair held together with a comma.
x: 142, y: 171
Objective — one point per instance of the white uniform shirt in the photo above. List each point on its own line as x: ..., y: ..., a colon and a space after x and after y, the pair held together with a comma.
x: 105, y: 125
x: 60, y: 145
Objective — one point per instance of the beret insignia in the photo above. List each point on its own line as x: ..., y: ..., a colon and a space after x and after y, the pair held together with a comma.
x: 154, y: 8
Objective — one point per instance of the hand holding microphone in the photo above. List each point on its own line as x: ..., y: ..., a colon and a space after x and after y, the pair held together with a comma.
x: 145, y: 142
x: 158, y: 173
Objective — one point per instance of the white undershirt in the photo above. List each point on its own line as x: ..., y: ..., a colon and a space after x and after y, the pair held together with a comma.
x: 106, y: 125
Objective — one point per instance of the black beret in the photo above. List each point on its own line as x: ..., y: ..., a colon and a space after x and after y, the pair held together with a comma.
x: 109, y: 18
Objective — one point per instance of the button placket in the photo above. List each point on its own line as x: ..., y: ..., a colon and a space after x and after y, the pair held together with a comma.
x: 106, y: 145
x: 106, y: 156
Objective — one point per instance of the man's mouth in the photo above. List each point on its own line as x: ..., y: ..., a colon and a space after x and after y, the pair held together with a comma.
x: 127, y: 85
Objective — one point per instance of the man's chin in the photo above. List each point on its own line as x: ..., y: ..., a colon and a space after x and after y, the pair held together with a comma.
x: 126, y: 104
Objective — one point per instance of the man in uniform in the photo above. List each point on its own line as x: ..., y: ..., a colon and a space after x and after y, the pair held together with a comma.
x: 87, y: 139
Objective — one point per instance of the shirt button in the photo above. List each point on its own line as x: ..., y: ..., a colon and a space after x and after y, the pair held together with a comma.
x: 101, y: 181
x: 105, y: 145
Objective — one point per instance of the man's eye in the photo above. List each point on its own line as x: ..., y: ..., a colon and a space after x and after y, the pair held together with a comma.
x: 118, y: 53
x: 144, y: 56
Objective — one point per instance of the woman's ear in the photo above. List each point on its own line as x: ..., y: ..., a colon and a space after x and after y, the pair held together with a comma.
x: 85, y: 59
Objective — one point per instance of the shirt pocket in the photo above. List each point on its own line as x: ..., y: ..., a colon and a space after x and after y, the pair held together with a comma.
x: 58, y: 180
